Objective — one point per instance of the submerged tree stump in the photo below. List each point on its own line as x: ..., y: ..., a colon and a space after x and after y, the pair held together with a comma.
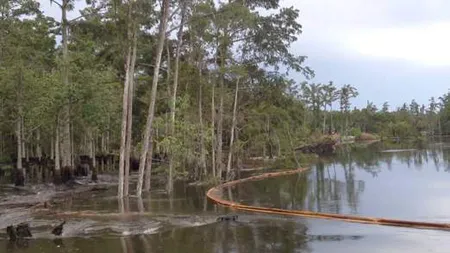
x: 19, y: 177
x: 58, y: 229
x: 21, y: 231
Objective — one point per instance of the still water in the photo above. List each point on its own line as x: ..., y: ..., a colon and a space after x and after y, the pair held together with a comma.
x: 375, y: 181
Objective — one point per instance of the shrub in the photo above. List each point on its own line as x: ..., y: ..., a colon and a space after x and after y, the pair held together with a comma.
x: 356, y: 131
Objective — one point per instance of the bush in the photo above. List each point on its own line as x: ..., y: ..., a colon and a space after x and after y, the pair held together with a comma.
x: 356, y: 131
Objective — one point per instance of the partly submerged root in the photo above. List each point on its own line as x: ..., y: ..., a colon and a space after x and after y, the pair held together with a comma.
x: 215, y: 192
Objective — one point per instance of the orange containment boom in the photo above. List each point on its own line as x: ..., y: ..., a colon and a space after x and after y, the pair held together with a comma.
x: 215, y: 192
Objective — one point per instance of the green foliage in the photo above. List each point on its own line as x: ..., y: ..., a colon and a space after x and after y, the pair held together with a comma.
x: 221, y: 42
x: 356, y: 132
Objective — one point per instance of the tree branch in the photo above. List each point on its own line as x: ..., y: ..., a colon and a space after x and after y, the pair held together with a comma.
x: 151, y: 65
x: 53, y: 1
x: 83, y: 15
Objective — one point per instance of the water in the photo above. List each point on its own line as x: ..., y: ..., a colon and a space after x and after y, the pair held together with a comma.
x: 408, y: 184
x: 405, y: 184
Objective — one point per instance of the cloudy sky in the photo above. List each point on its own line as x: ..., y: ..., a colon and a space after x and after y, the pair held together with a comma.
x: 392, y: 51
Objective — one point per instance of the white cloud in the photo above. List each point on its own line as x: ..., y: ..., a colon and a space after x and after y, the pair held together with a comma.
x: 414, y: 31
x: 424, y: 44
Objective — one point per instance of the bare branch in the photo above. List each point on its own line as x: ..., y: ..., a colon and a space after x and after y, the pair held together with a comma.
x: 94, y: 11
x: 174, y: 12
x: 53, y: 1
x: 151, y: 65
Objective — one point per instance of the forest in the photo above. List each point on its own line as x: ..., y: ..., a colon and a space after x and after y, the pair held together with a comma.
x: 199, y: 86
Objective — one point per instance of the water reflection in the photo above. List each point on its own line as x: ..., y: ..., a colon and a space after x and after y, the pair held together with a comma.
x: 409, y: 184
x: 405, y: 184
x: 378, y: 157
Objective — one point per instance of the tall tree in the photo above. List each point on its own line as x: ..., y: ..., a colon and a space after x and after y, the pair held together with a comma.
x: 127, y: 104
x: 346, y: 93
x: 151, y: 110
x: 183, y: 7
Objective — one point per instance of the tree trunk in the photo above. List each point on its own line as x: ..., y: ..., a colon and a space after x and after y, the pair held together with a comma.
x: 130, y: 114
x: 324, y: 124
x: 174, y: 94
x: 294, y: 154
x: 213, y: 119
x: 125, y: 143
x: 102, y: 144
x: 439, y: 125
x: 52, y: 148
x: 72, y: 146
x: 94, y: 151
x: 220, y: 120
x: 346, y: 123
x: 27, y: 153
x: 123, y: 135
x: 200, y: 116
x: 65, y: 118
x: 91, y: 152
x: 331, y: 117
x: 238, y: 156
x: 151, y: 110
x: 38, y: 144
x: 20, y: 172
x: 233, y: 126
x: 278, y: 146
x: 22, y: 132
x: 103, y: 152
x: 268, y: 140
x: 57, y: 173
x: 107, y: 141
x: 148, y: 169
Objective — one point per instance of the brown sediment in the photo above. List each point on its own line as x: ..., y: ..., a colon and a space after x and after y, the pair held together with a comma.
x: 214, y: 193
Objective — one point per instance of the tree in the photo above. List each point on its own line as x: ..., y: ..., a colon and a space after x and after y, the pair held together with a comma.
x: 148, y: 126
x: 330, y: 95
x: 127, y: 104
x: 183, y: 7
x: 385, y: 107
x: 346, y: 93
x: 27, y: 44
x: 312, y: 95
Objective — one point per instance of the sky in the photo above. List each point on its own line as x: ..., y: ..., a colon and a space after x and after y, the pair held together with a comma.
x: 391, y: 51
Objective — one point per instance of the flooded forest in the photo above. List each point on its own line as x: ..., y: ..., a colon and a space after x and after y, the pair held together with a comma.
x: 114, y: 124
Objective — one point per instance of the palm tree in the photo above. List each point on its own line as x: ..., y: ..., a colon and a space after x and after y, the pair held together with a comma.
x: 345, y: 94
x: 313, y: 98
x: 330, y: 95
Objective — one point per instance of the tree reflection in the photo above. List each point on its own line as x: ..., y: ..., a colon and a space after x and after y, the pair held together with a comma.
x: 254, y: 235
x: 335, y: 184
